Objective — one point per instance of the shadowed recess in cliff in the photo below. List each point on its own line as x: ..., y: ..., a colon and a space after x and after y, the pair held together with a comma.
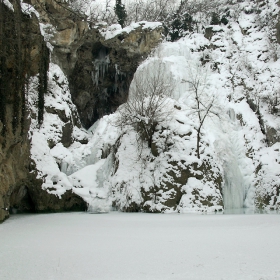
x: 97, y: 83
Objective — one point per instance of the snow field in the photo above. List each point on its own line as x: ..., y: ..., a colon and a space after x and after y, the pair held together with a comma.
x: 140, y: 246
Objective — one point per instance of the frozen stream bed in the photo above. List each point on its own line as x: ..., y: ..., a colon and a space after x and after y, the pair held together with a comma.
x: 140, y: 246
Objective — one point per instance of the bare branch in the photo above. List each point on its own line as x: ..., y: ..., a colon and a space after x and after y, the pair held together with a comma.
x: 205, y: 103
x: 147, y: 105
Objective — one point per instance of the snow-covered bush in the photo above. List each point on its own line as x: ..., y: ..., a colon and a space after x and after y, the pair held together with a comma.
x: 147, y: 105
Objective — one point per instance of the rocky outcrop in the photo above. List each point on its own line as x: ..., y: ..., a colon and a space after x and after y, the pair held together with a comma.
x: 21, y: 45
x: 186, y: 187
x: 45, y: 202
x: 99, y: 68
x: 165, y: 178
x: 105, y: 66
x: 64, y: 29
x: 272, y: 135
x: 22, y: 55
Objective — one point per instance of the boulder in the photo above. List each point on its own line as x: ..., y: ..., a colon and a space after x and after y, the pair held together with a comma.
x: 272, y: 135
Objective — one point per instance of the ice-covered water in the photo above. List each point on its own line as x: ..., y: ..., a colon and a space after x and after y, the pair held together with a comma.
x: 138, y: 246
x: 248, y: 211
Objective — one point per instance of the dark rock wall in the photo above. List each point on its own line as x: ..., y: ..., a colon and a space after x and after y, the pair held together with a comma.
x: 21, y: 44
x: 104, y: 69
x: 22, y: 49
x: 98, y: 87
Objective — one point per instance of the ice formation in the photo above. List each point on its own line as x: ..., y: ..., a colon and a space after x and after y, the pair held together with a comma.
x: 101, y: 64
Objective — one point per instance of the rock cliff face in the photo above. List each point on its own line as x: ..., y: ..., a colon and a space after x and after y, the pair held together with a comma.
x: 104, y: 69
x: 99, y: 69
x: 20, y: 47
x: 23, y: 52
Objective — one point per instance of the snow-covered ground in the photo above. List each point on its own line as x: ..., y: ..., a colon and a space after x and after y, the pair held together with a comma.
x: 140, y: 246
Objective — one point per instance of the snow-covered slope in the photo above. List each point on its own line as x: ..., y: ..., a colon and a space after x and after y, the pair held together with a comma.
x: 234, y: 74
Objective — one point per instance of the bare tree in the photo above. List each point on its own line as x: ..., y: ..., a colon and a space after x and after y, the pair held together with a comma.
x: 147, y: 105
x: 104, y: 13
x: 153, y: 10
x: 200, y: 6
x: 201, y: 11
x: 205, y: 104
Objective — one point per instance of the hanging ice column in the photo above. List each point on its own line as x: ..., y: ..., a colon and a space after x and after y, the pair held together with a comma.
x: 233, y: 191
x: 234, y: 187
x: 101, y: 64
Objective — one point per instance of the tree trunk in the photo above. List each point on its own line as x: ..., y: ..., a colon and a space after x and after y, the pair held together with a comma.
x: 197, y: 143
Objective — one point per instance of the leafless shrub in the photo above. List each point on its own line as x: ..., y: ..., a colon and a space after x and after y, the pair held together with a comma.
x: 105, y: 14
x: 200, y: 6
x: 147, y: 104
x: 95, y: 11
x: 274, y: 102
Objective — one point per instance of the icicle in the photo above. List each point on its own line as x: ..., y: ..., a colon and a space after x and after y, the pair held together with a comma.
x: 231, y: 114
x: 104, y: 94
x: 118, y: 74
x: 115, y: 88
x: 101, y: 65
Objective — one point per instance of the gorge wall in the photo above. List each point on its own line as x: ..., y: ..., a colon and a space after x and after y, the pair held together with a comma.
x: 23, y: 54
x: 20, y: 46
x: 99, y: 69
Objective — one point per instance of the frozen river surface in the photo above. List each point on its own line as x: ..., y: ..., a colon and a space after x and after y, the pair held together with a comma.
x: 124, y: 246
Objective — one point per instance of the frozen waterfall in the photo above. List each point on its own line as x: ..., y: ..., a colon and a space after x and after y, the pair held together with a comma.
x: 233, y: 191
x: 234, y: 185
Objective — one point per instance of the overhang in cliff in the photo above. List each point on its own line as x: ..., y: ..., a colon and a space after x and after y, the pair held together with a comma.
x: 105, y: 67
